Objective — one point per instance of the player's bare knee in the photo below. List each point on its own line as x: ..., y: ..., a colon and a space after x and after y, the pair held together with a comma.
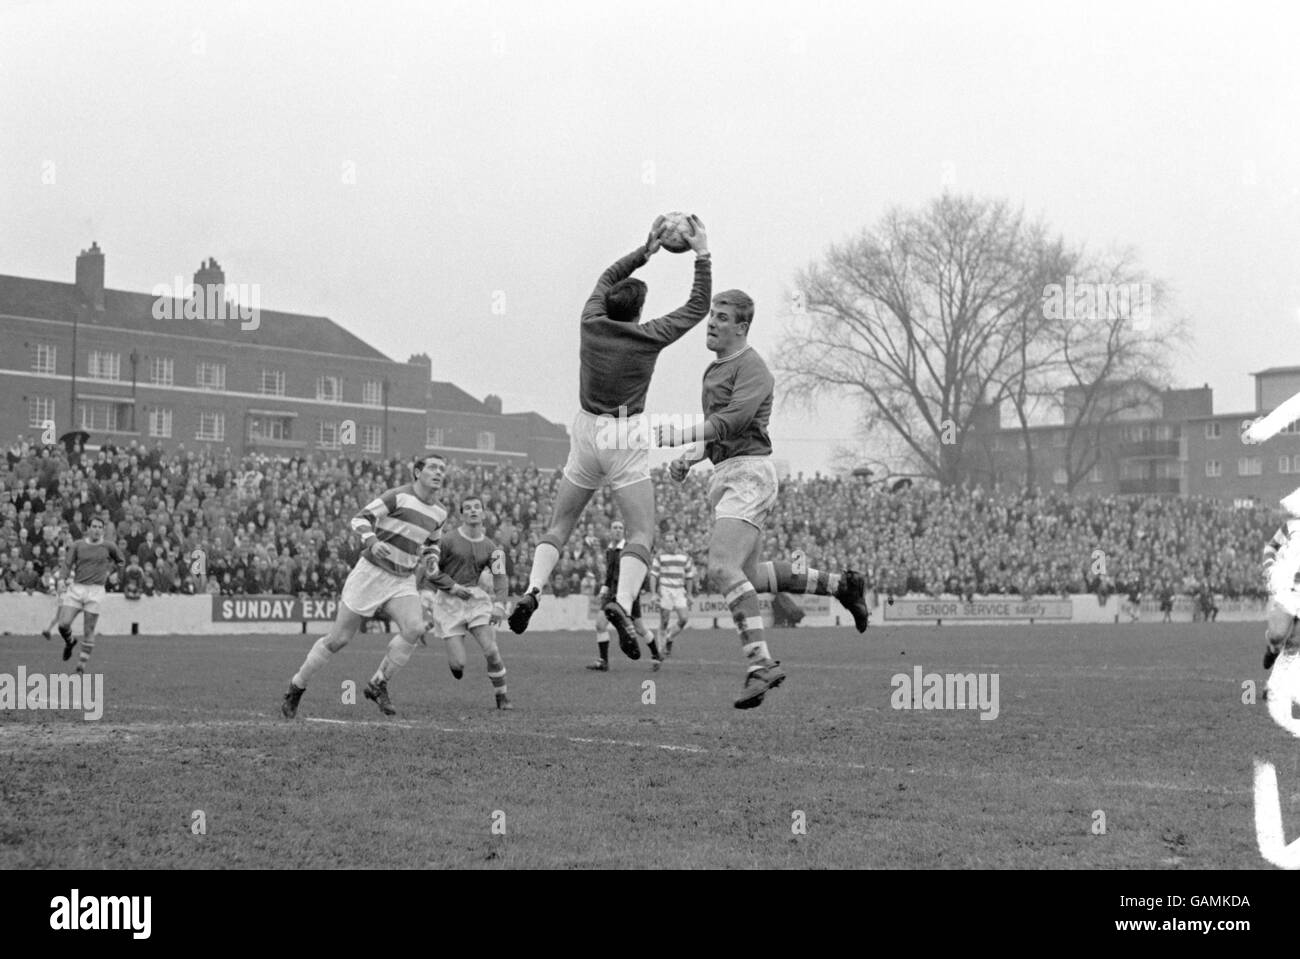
x: 722, y: 573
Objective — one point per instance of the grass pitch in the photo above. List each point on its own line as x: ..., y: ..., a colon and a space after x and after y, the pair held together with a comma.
x: 1142, y: 723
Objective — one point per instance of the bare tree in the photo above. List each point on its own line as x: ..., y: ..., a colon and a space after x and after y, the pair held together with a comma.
x: 1031, y: 383
x: 1115, y: 351
x: 917, y: 318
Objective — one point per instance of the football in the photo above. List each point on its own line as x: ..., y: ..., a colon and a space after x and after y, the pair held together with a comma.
x: 677, y: 231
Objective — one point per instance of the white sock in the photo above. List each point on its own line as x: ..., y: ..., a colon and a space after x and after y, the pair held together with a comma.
x: 544, y: 559
x: 399, y: 653
x: 631, y: 574
x: 318, y: 657
x: 756, y: 651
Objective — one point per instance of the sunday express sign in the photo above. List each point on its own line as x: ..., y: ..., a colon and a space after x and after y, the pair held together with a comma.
x: 272, y: 609
x: 980, y: 609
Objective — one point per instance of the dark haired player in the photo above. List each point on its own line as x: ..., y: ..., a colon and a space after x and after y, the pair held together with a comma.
x: 743, y: 490
x: 399, y: 531
x: 86, y: 571
x: 618, y: 355
x: 457, y: 604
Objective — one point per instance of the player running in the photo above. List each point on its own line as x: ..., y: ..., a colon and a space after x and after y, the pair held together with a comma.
x: 1280, y: 624
x: 399, y: 531
x: 671, y: 575
x: 455, y: 602
x: 86, y: 571
x: 613, y: 555
x: 743, y: 491
x: 618, y: 355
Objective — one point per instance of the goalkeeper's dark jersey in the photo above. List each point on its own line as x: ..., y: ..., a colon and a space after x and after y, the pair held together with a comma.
x: 618, y: 356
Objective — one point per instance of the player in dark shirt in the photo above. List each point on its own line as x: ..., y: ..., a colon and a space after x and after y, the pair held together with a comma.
x: 618, y: 355
x: 613, y: 555
x: 89, y: 562
x: 743, y: 491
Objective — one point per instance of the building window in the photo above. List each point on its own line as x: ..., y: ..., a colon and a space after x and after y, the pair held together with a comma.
x: 162, y: 371
x: 433, y: 437
x: 487, y: 440
x: 98, y: 417
x: 211, y: 376
x: 1212, y: 431
x: 272, y: 383
x: 212, y: 426
x: 160, y: 423
x: 1134, y: 470
x: 1295, y: 463
x: 1059, y: 476
x: 329, y: 389
x: 1284, y: 464
x: 40, y: 410
x: 372, y: 393
x: 1213, y: 468
x: 372, y: 439
x: 269, y: 428
x: 104, y: 365
x: 1291, y: 429
x: 327, y: 437
x: 1094, y: 474
x: 1250, y: 466
x: 43, y: 361
x: 1169, y: 470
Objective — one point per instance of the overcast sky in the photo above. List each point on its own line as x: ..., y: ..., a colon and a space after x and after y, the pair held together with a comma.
x: 402, y: 168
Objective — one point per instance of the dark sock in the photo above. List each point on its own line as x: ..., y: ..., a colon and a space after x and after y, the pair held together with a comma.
x: 604, y: 650
x: 66, y: 633
x: 654, y: 649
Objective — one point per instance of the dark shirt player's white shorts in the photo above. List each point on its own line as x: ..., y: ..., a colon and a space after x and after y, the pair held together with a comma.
x: 604, y: 450
x: 83, y: 596
x: 744, y: 488
x: 451, y: 616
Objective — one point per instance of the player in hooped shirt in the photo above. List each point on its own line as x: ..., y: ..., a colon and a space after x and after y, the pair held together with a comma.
x: 457, y: 604
x: 618, y: 355
x: 671, y: 576
x: 399, y: 532
x: 743, y: 490
x: 88, y: 565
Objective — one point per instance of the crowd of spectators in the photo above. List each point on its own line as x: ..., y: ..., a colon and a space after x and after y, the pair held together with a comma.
x: 205, y: 520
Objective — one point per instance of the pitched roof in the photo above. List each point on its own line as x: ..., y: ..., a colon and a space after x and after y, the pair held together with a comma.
x: 50, y: 300
x: 451, y: 398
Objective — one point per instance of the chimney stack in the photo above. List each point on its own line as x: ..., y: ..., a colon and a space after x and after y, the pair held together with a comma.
x: 210, y: 290
x: 493, y: 404
x: 90, y: 276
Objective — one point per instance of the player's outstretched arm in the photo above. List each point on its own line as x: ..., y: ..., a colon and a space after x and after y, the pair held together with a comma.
x: 681, y: 321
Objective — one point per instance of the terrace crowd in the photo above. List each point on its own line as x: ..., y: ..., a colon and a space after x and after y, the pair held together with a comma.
x: 205, y: 520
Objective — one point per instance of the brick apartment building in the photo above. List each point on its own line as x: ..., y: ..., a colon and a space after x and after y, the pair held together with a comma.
x: 287, y: 384
x: 1159, y: 443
